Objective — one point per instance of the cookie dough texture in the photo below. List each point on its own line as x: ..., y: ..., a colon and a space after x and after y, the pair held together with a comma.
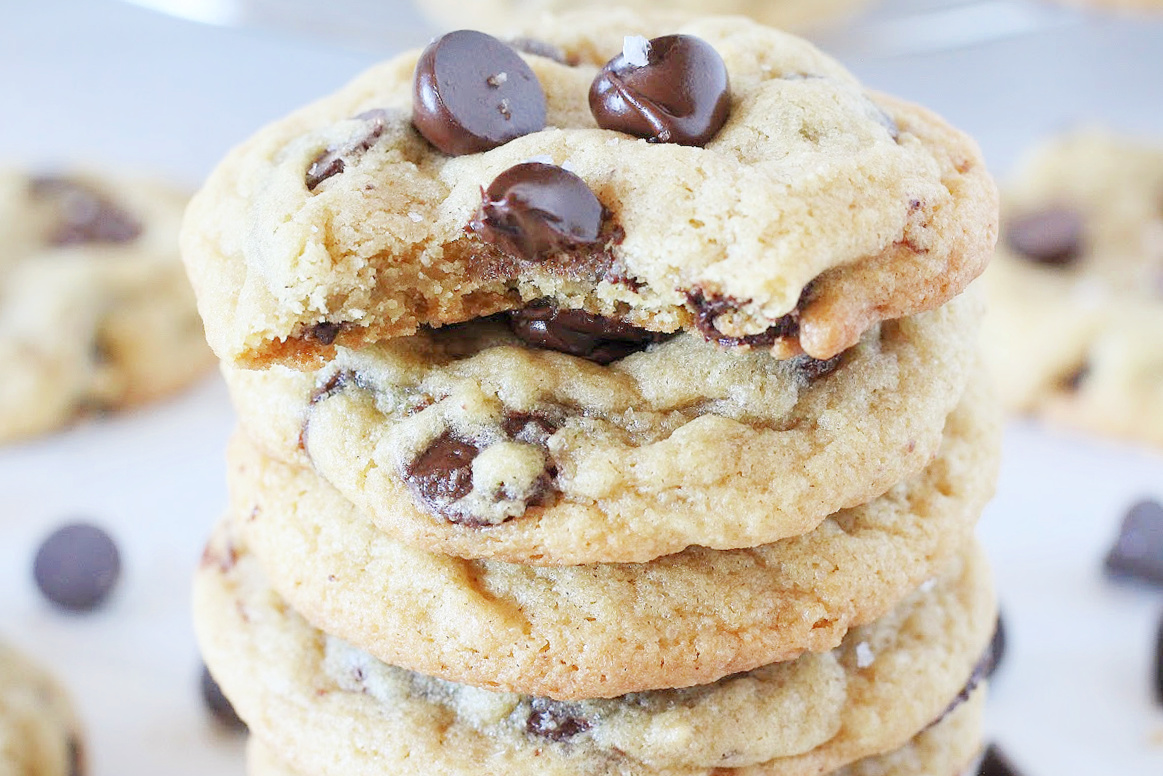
x: 38, y: 729
x: 498, y: 15
x: 685, y: 443
x: 1080, y: 343
x: 605, y: 630
x: 95, y: 309
x: 885, y: 682
x: 816, y: 199
x: 941, y: 750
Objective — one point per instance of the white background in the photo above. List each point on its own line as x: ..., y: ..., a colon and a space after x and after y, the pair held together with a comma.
x: 99, y: 82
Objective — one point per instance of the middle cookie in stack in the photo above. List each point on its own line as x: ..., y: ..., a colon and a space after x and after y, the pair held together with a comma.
x: 693, y: 492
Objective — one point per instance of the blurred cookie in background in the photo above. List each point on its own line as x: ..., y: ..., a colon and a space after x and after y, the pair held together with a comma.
x: 1075, y: 327
x: 95, y: 310
x: 39, y: 733
x: 499, y: 14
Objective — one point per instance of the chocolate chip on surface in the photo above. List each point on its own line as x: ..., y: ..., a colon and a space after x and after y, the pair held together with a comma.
x: 333, y: 161
x: 1138, y: 551
x: 83, y: 214
x: 553, y: 720
x: 674, y: 91
x: 578, y: 333
x: 218, y: 704
x: 994, y: 763
x: 533, y: 210
x: 528, y: 427
x: 442, y: 474
x: 472, y: 92
x: 77, y: 567
x: 1052, y: 237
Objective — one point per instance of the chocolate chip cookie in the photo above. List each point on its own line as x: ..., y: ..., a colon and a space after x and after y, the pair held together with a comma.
x: 39, y: 733
x: 480, y: 441
x: 1077, y: 287
x: 605, y: 630
x: 334, y: 709
x: 95, y: 310
x: 716, y: 177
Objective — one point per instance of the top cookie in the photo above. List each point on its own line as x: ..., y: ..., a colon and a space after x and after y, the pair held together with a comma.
x: 815, y: 210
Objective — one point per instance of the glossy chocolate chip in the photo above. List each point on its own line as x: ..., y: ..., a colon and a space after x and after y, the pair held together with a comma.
x: 1138, y: 551
x: 578, y: 333
x: 554, y: 721
x: 534, y: 210
x: 77, y: 567
x: 1052, y: 237
x: 218, y: 704
x: 83, y: 214
x: 442, y: 474
x: 677, y: 91
x: 472, y: 92
x: 334, y: 160
x: 994, y: 763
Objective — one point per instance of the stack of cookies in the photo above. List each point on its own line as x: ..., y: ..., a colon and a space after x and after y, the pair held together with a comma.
x: 608, y: 405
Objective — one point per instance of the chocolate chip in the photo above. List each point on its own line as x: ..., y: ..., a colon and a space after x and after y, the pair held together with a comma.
x: 442, y: 474
x: 1138, y: 551
x: 1159, y: 663
x: 533, y: 210
x: 472, y: 92
x: 553, y: 720
x: 1053, y: 237
x: 1074, y: 380
x: 578, y: 333
x: 997, y: 648
x: 812, y: 369
x: 333, y: 161
x: 83, y: 214
x: 676, y: 91
x: 530, y: 428
x: 324, y: 333
x: 77, y: 567
x: 218, y: 704
x: 994, y: 763
x: 707, y: 310
x: 540, y: 48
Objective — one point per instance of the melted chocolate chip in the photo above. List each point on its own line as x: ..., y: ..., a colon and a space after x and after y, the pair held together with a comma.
x: 680, y: 95
x: 218, y: 704
x: 334, y: 161
x: 540, y: 48
x: 811, y: 369
x: 83, y: 214
x: 442, y: 474
x: 1052, y: 237
x: 530, y: 428
x: 323, y: 333
x: 77, y: 567
x: 707, y: 310
x: 534, y: 210
x: 553, y: 720
x: 578, y: 333
x: 472, y: 92
x: 1138, y: 551
x: 994, y: 763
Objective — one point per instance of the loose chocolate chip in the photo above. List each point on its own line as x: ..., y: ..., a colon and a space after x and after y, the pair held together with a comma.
x: 472, y: 92
x: 994, y: 763
x: 1138, y: 551
x: 77, y: 566
x: 1052, y: 237
x: 442, y: 474
x: 334, y: 161
x: 324, y: 333
x: 578, y: 333
x: 218, y: 704
x: 707, y: 310
x: 540, y: 48
x: 534, y: 210
x: 84, y: 215
x: 676, y: 91
x: 553, y: 720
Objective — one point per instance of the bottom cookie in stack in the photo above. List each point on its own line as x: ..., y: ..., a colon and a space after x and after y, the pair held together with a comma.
x: 332, y: 709
x: 39, y: 732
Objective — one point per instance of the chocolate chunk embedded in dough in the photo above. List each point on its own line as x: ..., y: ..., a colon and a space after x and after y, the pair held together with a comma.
x: 83, y: 214
x: 1052, y: 237
x: 553, y: 720
x: 472, y: 92
x: 578, y: 333
x: 676, y: 90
